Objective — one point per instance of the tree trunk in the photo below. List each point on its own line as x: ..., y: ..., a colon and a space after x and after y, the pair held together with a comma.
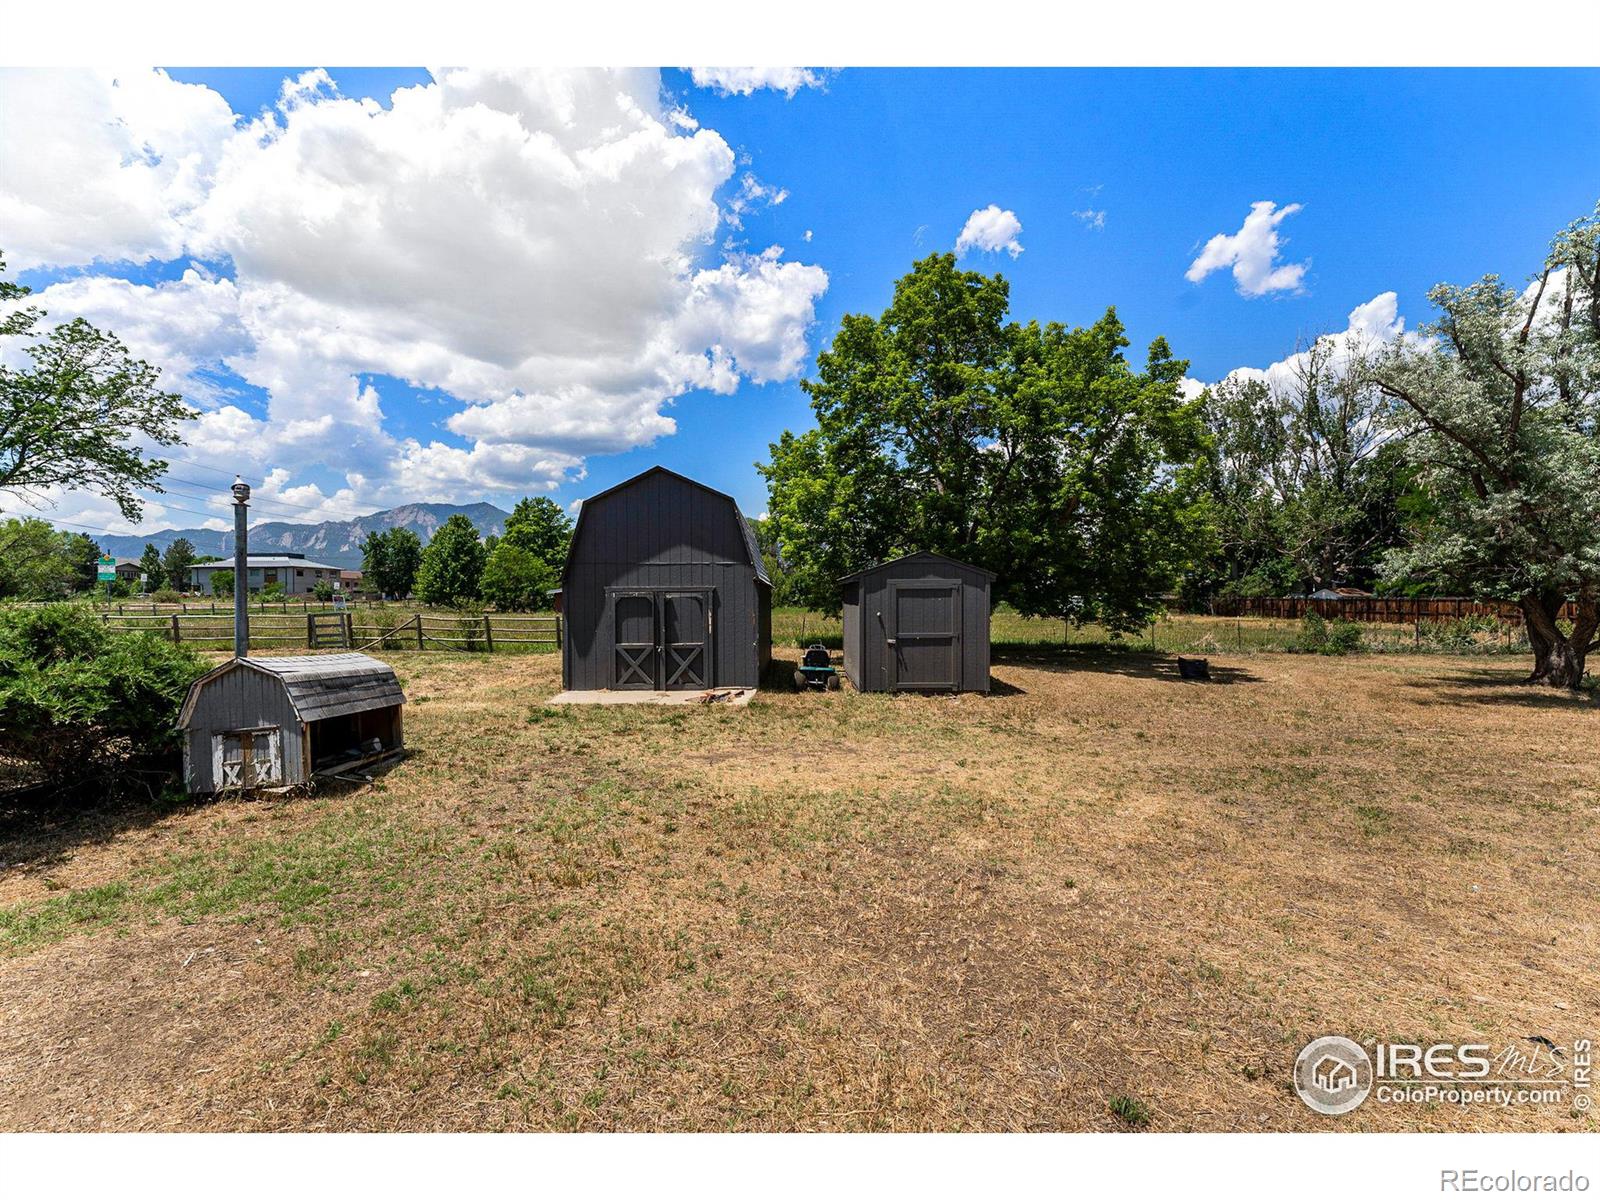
x: 1558, y: 658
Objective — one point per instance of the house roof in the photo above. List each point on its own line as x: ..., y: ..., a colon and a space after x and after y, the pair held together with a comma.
x: 752, y: 549
x: 319, y: 685
x: 927, y: 555
x: 263, y: 560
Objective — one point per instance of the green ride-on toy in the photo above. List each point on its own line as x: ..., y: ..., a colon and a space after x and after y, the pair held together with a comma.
x: 816, y: 670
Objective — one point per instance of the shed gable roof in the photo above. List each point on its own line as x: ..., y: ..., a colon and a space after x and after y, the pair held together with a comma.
x: 751, y: 548
x: 919, y: 556
x: 318, y: 685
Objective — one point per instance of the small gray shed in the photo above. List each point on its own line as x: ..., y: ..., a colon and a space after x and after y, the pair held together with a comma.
x: 257, y: 724
x: 917, y: 624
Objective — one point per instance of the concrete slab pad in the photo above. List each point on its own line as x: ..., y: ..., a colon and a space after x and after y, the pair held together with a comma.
x: 738, y: 697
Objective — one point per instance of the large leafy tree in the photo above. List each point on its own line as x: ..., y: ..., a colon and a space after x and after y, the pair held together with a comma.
x: 1035, y: 451
x: 514, y: 580
x: 1304, y: 486
x: 37, y: 562
x: 538, y: 526
x: 80, y: 412
x: 390, y: 560
x: 1499, y: 411
x: 452, y: 563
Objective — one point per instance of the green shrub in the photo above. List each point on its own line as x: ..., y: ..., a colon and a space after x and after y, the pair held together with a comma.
x: 1313, y: 633
x: 222, y: 582
x: 166, y: 596
x: 273, y: 590
x: 1344, y: 637
x: 323, y: 591
x: 78, y: 700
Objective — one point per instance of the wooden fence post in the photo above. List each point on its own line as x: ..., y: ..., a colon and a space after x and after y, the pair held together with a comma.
x: 419, y: 632
x: 311, y: 632
x: 349, y: 629
x: 488, y: 634
x: 177, y: 634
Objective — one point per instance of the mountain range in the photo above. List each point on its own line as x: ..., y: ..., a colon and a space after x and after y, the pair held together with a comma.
x: 337, y: 543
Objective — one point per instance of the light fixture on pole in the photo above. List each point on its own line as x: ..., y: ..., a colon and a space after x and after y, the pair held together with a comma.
x: 241, y: 568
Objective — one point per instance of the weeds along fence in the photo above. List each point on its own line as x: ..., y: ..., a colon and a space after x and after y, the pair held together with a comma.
x: 1378, y: 610
x: 366, y: 629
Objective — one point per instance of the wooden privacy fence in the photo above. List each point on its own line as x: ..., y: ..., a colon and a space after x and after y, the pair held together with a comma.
x: 1387, y: 610
x: 351, y: 630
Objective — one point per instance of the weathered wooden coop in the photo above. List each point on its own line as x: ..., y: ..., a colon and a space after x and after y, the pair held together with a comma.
x: 917, y: 624
x: 258, y: 724
x: 664, y: 590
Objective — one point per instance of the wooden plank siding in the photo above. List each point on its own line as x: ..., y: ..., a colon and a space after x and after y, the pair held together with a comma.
x: 662, y: 531
x: 865, y: 600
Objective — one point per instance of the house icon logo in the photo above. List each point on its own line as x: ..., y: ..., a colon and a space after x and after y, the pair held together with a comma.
x: 1333, y: 1075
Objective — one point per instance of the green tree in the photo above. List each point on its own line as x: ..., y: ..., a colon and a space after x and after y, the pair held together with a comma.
x: 83, y: 562
x: 1304, y: 488
x: 1499, y: 412
x: 150, y: 564
x: 515, y: 581
x: 323, y: 591
x: 222, y: 581
x: 1034, y: 451
x: 36, y: 561
x: 175, y: 563
x: 76, y: 414
x: 389, y: 562
x: 452, y: 563
x: 538, y: 526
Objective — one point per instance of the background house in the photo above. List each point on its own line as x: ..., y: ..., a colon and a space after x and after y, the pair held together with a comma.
x: 298, y: 574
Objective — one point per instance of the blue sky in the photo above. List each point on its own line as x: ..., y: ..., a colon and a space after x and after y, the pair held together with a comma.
x: 1402, y: 178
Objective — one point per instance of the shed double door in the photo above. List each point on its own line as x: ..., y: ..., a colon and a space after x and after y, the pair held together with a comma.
x: 661, y: 639
x: 924, y: 649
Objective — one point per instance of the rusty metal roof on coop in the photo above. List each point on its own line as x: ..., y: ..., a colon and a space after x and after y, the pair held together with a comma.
x: 318, y: 685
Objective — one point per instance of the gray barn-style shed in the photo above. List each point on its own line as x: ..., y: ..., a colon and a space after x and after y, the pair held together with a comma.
x: 917, y: 624
x: 257, y: 724
x: 664, y: 590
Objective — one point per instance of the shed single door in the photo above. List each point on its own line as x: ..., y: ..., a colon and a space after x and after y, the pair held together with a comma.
x: 924, y: 634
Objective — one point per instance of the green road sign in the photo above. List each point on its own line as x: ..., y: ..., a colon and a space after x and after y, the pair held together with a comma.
x: 108, y: 569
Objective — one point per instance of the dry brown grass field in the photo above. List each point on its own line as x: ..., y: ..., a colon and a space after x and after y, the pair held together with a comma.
x: 1098, y: 889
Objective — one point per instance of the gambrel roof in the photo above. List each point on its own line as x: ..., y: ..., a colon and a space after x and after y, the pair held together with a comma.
x: 318, y: 685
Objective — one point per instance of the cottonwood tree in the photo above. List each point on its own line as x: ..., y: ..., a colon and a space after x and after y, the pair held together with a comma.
x: 1035, y: 451
x: 1303, y: 479
x: 74, y: 416
x: 515, y: 580
x: 1500, y: 414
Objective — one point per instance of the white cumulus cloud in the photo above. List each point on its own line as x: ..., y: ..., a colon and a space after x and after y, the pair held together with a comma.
x: 103, y: 165
x: 742, y: 81
x: 1252, y: 253
x: 991, y: 229
x: 535, y: 249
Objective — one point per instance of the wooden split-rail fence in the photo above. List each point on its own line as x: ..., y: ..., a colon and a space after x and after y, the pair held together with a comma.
x: 351, y: 630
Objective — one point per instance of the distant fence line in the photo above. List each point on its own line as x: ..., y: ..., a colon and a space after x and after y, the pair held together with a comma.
x: 1385, y: 610
x: 350, y: 630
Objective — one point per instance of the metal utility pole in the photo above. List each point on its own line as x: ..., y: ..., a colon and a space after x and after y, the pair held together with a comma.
x: 241, y: 568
